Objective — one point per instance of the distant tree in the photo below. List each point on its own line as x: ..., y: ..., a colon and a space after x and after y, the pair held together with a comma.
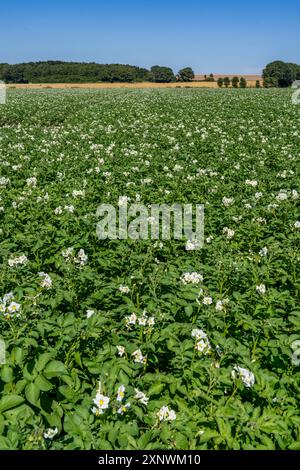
x: 243, y: 83
x: 220, y: 82
x: 162, y: 74
x: 283, y: 73
x: 257, y: 84
x: 210, y: 78
x: 205, y: 76
x: 270, y: 82
x: 186, y: 75
x: 235, y: 82
x: 226, y: 82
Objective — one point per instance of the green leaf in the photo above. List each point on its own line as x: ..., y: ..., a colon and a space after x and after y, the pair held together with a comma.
x: 43, y: 384
x: 43, y: 360
x: 32, y: 393
x: 6, y: 374
x: 5, y: 443
x: 295, y: 446
x: 156, y: 389
x: 55, y: 369
x: 17, y: 356
x: 10, y: 401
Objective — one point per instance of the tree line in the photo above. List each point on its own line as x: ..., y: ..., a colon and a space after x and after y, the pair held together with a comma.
x: 275, y: 74
x: 235, y: 82
x: 76, y: 72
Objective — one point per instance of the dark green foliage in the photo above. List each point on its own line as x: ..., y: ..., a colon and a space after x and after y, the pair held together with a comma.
x: 162, y: 74
x: 71, y: 72
x: 270, y: 82
x: 186, y: 75
x: 235, y: 82
x: 282, y: 73
x: 243, y: 83
x: 226, y: 82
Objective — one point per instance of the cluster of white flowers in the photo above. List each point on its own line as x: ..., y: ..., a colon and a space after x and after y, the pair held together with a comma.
x: 282, y: 195
x: 221, y: 304
x: 81, y: 257
x: 285, y: 173
x: 261, y: 289
x: 59, y: 210
x: 124, y: 289
x: 165, y: 414
x: 202, y: 344
x: 102, y: 401
x: 192, y: 245
x: 263, y: 251
x: 247, y: 377
x: 228, y: 232
x: 227, y: 201
x: 138, y: 357
x: 191, y: 278
x: 123, y: 200
x: 252, y: 183
x: 4, y: 182
x: 31, y: 181
x: 22, y: 260
x: 68, y: 254
x: 77, y: 194
x: 143, y: 320
x: 207, y: 300
x: 8, y: 307
x: 297, y: 224
x: 46, y: 281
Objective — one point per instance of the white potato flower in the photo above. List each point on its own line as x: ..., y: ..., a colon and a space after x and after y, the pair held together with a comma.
x: 121, y: 350
x: 141, y: 397
x: 50, y: 433
x: 247, y: 377
x: 261, y: 289
x: 165, y: 414
x: 124, y: 289
x: 138, y: 357
x: 90, y: 313
x: 121, y: 393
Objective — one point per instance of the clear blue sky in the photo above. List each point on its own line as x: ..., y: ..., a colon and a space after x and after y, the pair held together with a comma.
x: 211, y: 36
